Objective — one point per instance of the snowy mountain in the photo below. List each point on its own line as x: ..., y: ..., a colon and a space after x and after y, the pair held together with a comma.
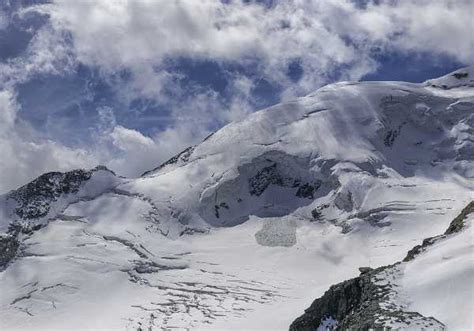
x: 247, y: 228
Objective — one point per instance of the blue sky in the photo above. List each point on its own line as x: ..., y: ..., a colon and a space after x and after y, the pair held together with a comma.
x: 130, y: 83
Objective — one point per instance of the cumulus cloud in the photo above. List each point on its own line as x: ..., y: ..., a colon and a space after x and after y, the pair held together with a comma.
x: 133, y: 46
x: 23, y: 159
x: 141, y: 35
x: 319, y: 34
x: 26, y: 156
x: 139, y: 153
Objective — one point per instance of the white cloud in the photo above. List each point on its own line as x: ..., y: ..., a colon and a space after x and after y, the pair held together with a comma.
x: 139, y: 37
x: 47, y: 53
x: 439, y: 26
x: 21, y: 159
x: 139, y: 153
x: 127, y: 139
x: 136, y: 34
x: 24, y: 156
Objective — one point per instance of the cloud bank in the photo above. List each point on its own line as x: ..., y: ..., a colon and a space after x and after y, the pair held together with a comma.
x: 129, y: 83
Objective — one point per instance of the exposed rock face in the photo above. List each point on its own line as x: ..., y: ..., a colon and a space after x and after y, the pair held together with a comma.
x: 35, y: 198
x: 8, y: 248
x: 364, y: 302
x: 458, y: 223
x: 33, y: 203
x: 10, y: 242
x: 455, y: 226
x: 273, y: 175
x: 269, y: 185
x: 265, y: 177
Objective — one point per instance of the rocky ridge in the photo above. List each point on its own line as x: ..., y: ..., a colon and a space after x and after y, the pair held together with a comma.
x: 366, y: 302
x: 31, y: 206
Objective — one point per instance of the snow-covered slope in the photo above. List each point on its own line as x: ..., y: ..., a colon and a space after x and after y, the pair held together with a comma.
x: 245, y: 229
x: 434, y: 279
x: 441, y: 277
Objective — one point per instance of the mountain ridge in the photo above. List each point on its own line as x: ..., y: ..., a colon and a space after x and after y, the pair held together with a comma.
x: 364, y: 303
x: 276, y: 207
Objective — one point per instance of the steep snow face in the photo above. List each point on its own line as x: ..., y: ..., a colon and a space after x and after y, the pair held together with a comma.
x: 245, y: 229
x: 439, y: 282
x: 339, y: 142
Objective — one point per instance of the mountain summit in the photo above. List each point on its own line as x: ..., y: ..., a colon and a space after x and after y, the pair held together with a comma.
x: 247, y: 228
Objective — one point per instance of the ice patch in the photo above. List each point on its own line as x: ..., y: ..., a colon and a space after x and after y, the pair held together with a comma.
x: 277, y: 232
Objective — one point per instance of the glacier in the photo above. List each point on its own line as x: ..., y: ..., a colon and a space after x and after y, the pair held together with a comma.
x: 247, y: 228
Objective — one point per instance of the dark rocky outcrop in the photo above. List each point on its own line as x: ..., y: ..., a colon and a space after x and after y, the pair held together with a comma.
x: 455, y: 226
x: 317, y: 213
x: 8, y: 248
x: 271, y: 175
x: 34, y: 199
x: 270, y: 185
x: 264, y: 178
x: 339, y: 302
x: 362, y: 303
x: 217, y: 207
x: 458, y: 223
x: 10, y: 242
x: 460, y: 75
x: 307, y: 190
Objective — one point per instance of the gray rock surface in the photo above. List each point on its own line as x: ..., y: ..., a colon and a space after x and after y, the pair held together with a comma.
x: 363, y: 303
x: 277, y: 232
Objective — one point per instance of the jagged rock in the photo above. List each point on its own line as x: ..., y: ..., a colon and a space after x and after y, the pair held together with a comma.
x: 8, y: 248
x: 363, y: 303
x: 458, y: 223
x: 265, y: 177
x: 10, y: 242
x: 317, y: 213
x: 352, y: 303
x: 217, y: 207
x: 460, y: 75
x: 455, y: 226
x: 358, y: 304
x: 307, y: 190
x: 364, y: 270
x: 34, y: 199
